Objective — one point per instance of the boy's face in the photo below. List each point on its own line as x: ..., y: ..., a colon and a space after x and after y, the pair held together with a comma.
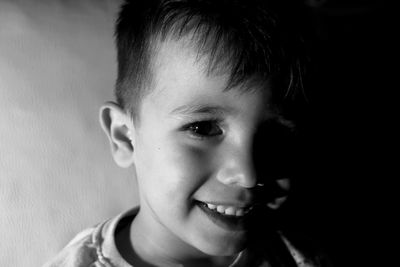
x: 193, y: 150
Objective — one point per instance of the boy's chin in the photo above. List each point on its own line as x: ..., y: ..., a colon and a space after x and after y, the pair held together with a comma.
x: 223, y: 247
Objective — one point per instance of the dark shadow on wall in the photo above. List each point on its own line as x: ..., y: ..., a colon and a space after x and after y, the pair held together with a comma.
x: 338, y: 203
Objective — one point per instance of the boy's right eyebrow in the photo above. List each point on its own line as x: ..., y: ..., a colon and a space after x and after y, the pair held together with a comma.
x: 201, y: 109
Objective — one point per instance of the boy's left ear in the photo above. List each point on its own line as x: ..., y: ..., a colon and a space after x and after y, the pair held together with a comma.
x: 119, y: 128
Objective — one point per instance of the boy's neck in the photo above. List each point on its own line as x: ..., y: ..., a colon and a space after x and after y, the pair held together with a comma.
x: 148, y: 246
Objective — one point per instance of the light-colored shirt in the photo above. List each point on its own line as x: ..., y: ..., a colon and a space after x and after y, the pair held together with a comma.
x: 96, y: 247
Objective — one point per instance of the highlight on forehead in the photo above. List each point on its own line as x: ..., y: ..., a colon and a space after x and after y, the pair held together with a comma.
x: 245, y: 40
x: 229, y: 46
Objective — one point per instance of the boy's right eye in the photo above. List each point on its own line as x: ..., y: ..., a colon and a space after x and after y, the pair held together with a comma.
x: 204, y: 129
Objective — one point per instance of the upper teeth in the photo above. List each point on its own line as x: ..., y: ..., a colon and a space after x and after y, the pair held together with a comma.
x: 228, y: 210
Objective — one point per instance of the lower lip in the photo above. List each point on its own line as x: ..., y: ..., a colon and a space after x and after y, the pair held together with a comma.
x: 228, y: 222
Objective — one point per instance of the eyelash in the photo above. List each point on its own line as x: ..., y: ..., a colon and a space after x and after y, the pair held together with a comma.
x: 204, y: 129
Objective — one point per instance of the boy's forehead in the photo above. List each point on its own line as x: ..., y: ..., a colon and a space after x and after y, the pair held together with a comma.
x: 178, y: 57
x: 181, y: 84
x: 179, y: 62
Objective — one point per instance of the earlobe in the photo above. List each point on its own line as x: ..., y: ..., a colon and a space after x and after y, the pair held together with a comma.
x: 119, y: 128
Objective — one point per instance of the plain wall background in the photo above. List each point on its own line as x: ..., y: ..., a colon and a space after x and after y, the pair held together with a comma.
x: 57, y: 177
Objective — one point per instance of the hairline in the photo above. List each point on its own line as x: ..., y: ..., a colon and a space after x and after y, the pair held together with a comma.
x: 212, y: 67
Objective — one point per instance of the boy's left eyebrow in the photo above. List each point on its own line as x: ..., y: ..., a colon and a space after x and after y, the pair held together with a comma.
x: 201, y: 109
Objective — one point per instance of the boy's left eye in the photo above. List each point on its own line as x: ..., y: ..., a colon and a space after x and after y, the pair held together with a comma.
x: 204, y: 129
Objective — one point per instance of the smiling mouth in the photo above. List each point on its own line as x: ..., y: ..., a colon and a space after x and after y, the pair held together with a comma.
x: 227, y: 217
x: 229, y: 210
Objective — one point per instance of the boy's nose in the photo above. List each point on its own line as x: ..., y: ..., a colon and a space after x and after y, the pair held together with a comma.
x: 238, y: 169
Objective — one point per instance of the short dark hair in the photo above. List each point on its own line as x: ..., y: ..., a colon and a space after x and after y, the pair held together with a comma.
x: 246, y: 38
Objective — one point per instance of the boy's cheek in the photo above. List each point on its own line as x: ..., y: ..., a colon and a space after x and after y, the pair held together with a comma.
x: 175, y: 157
x: 186, y: 166
x: 189, y: 159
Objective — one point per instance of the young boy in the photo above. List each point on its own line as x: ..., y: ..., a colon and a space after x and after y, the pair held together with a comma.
x: 204, y: 116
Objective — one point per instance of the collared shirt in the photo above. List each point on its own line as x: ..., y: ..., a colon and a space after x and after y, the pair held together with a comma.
x: 96, y: 247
